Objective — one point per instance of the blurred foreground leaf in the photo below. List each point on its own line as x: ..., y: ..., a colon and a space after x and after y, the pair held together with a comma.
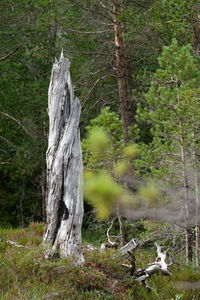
x: 130, y: 151
x: 102, y: 192
x: 98, y: 140
x: 150, y: 194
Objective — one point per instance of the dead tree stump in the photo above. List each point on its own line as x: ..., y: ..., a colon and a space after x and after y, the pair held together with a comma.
x: 64, y: 200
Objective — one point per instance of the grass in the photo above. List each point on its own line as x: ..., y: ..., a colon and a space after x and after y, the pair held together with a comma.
x: 25, y: 274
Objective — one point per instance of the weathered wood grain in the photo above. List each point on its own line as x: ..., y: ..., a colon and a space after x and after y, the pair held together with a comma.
x: 64, y: 200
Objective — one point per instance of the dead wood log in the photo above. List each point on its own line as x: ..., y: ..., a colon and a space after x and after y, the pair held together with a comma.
x: 140, y: 275
x: 159, y: 265
x: 17, y: 245
x: 130, y: 246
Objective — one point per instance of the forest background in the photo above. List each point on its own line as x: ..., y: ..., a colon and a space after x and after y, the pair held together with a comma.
x: 135, y: 68
x: 123, y: 87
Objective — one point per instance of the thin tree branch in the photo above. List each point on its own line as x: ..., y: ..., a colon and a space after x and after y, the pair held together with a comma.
x: 89, y: 32
x: 89, y: 53
x: 7, y: 141
x: 96, y: 82
x: 17, y: 121
x: 90, y: 10
x: 105, y: 8
x: 11, y: 53
x: 98, y: 71
x: 108, y: 233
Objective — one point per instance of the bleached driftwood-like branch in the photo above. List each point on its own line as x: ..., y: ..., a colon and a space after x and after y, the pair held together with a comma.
x: 110, y: 243
x: 17, y: 245
x: 132, y: 245
x: 140, y: 275
x: 159, y: 265
x: 108, y: 233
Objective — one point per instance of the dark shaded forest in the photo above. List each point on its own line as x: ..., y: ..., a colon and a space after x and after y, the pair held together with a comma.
x: 33, y: 34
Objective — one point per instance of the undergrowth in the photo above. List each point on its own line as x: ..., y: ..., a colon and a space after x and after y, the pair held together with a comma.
x: 25, y: 274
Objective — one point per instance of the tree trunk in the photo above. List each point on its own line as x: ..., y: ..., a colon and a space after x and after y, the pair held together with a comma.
x: 196, y: 46
x: 188, y: 245
x: 188, y: 231
x: 64, y: 202
x: 197, y: 245
x: 196, y: 184
x: 124, y: 78
x: 187, y: 204
x: 195, y: 24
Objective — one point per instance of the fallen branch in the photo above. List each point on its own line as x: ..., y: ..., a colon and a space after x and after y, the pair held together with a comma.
x: 17, y: 245
x: 130, y: 246
x: 141, y: 275
x: 110, y: 244
x: 159, y: 265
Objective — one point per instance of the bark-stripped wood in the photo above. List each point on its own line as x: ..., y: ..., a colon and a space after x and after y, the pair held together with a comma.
x: 64, y: 201
x: 141, y: 275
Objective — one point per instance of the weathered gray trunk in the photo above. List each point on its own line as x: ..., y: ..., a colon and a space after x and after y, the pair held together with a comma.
x: 188, y: 207
x: 64, y: 201
x: 196, y: 185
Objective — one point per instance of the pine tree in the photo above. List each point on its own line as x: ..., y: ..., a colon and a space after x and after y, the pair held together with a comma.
x: 173, y: 112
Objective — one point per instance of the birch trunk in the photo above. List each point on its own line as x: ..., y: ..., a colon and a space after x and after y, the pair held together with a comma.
x: 197, y: 245
x: 188, y: 211
x: 197, y: 226
x: 188, y: 214
x: 195, y: 22
x: 64, y: 201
